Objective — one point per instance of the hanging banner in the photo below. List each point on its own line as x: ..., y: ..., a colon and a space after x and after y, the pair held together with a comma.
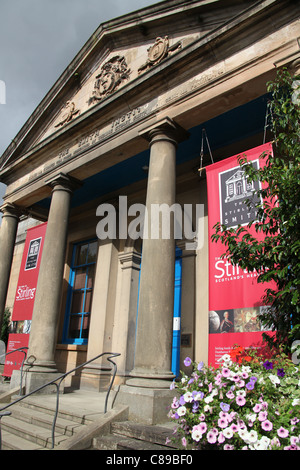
x: 234, y: 294
x: 24, y: 298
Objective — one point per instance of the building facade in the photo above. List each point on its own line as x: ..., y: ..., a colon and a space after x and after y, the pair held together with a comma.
x: 121, y: 132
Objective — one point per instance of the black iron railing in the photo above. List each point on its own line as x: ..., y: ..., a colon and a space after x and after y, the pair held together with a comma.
x: 57, y: 382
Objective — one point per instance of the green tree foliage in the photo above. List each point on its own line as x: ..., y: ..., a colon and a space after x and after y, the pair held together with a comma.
x: 276, y: 255
x: 5, y: 326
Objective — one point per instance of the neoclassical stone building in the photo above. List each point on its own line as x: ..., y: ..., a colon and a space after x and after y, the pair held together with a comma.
x: 124, y: 123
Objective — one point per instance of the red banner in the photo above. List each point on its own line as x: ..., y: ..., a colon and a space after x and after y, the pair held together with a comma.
x: 25, y: 295
x: 234, y: 294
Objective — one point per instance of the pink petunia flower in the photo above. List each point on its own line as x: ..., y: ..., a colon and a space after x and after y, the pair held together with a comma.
x: 257, y: 408
x: 267, y: 425
x: 294, y: 440
x: 234, y: 428
x: 222, y: 422
x: 211, y: 437
x: 225, y: 372
x: 282, y: 432
x: 262, y: 415
x: 240, y: 400
x: 202, y: 427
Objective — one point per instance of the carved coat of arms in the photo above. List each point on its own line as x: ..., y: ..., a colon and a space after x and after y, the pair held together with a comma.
x: 112, y: 74
x: 159, y: 51
x: 69, y: 111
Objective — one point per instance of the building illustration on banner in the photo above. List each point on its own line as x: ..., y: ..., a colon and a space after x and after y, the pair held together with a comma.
x: 235, y: 192
x: 237, y: 187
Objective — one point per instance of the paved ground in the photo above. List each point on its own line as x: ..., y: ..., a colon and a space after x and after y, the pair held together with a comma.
x: 85, y: 402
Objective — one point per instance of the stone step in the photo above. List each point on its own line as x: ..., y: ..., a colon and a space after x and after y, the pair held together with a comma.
x: 118, y: 442
x: 127, y: 435
x: 29, y: 432
x: 45, y: 408
x: 155, y: 434
x: 13, y: 442
x: 45, y: 420
x: 29, y: 426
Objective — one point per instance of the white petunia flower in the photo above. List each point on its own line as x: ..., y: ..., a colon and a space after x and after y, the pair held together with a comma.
x: 181, y: 411
x: 243, y: 433
x: 227, y: 432
x: 196, y: 435
x: 274, y: 379
x: 252, y: 436
x: 208, y: 399
x: 188, y: 397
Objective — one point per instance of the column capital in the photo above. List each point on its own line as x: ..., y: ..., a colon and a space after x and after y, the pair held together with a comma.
x: 130, y: 259
x: 165, y: 129
x: 11, y: 210
x: 63, y: 182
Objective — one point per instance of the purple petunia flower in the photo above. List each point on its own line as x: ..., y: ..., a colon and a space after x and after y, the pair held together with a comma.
x: 224, y: 407
x: 250, y: 385
x: 280, y: 373
x: 181, y: 400
x: 195, y: 407
x: 187, y: 362
x: 268, y: 365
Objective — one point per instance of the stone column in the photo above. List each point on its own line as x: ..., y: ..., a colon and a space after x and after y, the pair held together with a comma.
x: 153, y: 353
x: 8, y: 232
x: 42, y: 342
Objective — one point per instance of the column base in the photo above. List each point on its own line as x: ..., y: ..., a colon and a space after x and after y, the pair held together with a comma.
x: 141, y: 377
x: 95, y: 377
x: 146, y: 405
x: 40, y: 374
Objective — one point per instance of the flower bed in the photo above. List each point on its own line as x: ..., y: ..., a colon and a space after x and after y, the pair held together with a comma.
x: 245, y: 404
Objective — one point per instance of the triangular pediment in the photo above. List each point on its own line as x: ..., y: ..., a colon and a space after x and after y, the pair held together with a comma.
x: 108, y: 76
x: 118, y: 54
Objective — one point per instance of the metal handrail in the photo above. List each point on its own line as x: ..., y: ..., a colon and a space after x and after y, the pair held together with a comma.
x: 22, y: 349
x: 57, y: 382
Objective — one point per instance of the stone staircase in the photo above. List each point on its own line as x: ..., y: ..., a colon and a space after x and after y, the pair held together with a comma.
x: 29, y: 427
x: 81, y: 424
x: 127, y: 435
